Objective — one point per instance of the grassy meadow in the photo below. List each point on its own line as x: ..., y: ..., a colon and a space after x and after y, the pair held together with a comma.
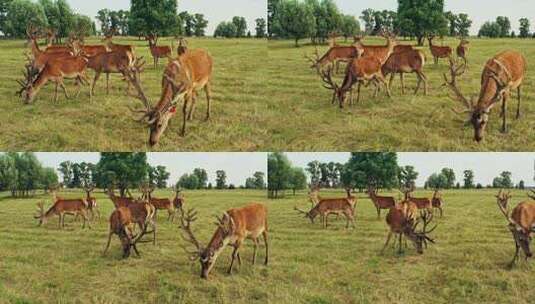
x: 403, y: 123
x: 239, y: 111
x: 307, y: 264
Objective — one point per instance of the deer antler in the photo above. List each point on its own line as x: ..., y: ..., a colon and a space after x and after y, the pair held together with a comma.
x: 314, y: 60
x: 456, y: 71
x: 187, y: 235
x: 532, y: 194
x: 300, y: 211
x: 132, y: 75
x: 503, y: 206
x: 40, y: 209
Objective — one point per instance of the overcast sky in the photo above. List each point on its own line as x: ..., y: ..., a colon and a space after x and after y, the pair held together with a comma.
x: 238, y: 166
x: 215, y: 11
x: 486, y: 166
x: 478, y: 10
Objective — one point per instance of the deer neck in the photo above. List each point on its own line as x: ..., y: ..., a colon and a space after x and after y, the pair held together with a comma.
x: 487, y: 94
x: 35, y: 48
x: 218, y: 242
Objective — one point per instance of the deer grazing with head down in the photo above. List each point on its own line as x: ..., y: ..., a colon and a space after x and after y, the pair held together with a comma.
x: 326, y: 206
x: 232, y: 229
x: 406, y: 61
x: 462, y: 49
x: 502, y: 74
x: 405, y: 224
x: 156, y: 51
x: 521, y: 222
x: 439, y: 52
x: 61, y: 207
x: 111, y: 63
x: 380, y: 202
x: 182, y: 78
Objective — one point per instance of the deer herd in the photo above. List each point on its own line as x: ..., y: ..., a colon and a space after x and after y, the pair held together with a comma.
x: 367, y: 64
x: 185, y: 73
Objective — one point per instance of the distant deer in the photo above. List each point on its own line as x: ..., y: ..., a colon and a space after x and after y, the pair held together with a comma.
x: 462, y: 49
x: 40, y: 58
x: 178, y: 202
x: 521, y: 222
x: 502, y: 74
x: 437, y: 201
x: 109, y: 62
x: 182, y: 78
x: 157, y: 52
x: 61, y: 207
x: 91, y: 201
x: 232, y: 228
x: 420, y: 202
x: 439, y: 52
x: 326, y: 206
x: 129, y: 50
x: 410, y: 61
x: 158, y: 203
x: 380, y: 202
x: 401, y: 224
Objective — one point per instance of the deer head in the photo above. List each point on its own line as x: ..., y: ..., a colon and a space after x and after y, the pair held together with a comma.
x: 311, y: 214
x: 41, y: 216
x: 521, y: 236
x: 419, y: 238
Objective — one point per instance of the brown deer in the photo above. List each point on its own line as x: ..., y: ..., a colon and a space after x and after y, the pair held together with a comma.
x: 334, y: 55
x: 521, y: 222
x: 437, y: 201
x: 462, y: 49
x: 420, y: 202
x: 91, y: 201
x: 129, y: 50
x: 502, y: 74
x: 402, y: 224
x: 157, y: 52
x: 379, y: 52
x: 119, y: 201
x: 380, y: 202
x: 182, y: 78
x: 158, y: 203
x: 122, y: 223
x: 372, y: 48
x: 182, y: 46
x: 327, y: 206
x: 61, y: 207
x: 178, y: 201
x: 410, y: 61
x: 232, y: 228
x: 56, y: 70
x: 108, y: 63
x: 439, y: 52
x: 40, y: 58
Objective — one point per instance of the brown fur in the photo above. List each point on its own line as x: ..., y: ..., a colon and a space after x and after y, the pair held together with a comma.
x: 410, y: 61
x: 112, y: 62
x: 381, y: 202
x: 439, y: 52
x: 157, y: 52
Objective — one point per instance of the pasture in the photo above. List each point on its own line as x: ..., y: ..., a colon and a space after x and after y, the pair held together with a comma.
x: 403, y: 123
x: 307, y: 263
x: 239, y: 110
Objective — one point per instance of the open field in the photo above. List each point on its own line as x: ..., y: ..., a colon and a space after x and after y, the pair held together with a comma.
x: 239, y: 111
x: 403, y: 123
x: 307, y: 264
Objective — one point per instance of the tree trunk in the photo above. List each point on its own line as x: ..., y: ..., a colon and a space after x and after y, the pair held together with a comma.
x: 296, y: 42
x: 420, y: 40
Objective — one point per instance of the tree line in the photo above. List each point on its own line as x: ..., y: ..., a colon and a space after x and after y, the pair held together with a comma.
x: 198, y: 179
x: 501, y: 28
x: 22, y: 174
x: 237, y: 28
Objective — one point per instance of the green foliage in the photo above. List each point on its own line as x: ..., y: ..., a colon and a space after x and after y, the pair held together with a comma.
x: 449, y: 174
x: 468, y: 179
x: 158, y: 16
x: 298, y: 179
x: 490, y: 30
x: 503, y: 181
x: 443, y: 180
x: 505, y: 26
x: 294, y: 20
x: 221, y: 179
x: 463, y: 25
x: 122, y: 170
x: 257, y: 181
x: 279, y: 173
x: 200, y: 25
x: 419, y: 18
x: 20, y: 13
x: 241, y: 26
x: 189, y: 181
x: 226, y: 29
x: 22, y: 174
x: 349, y: 26
x: 158, y: 176
x: 260, y: 28
x: 202, y: 177
x: 524, y: 28
x: 83, y: 26
x: 407, y: 176
x: 374, y: 169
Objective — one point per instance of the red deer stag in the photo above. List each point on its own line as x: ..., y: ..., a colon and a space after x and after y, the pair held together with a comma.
x: 40, y: 58
x: 521, y: 222
x: 157, y: 52
x: 502, y: 74
x: 232, y: 228
x: 420, y: 202
x: 182, y: 77
x: 410, y: 61
x: 108, y: 63
x: 129, y: 50
x: 404, y: 224
x: 437, y: 201
x: 182, y: 46
x: 439, y: 52
x: 61, y: 207
x: 158, y: 203
x: 380, y: 202
x: 326, y: 206
x: 462, y: 49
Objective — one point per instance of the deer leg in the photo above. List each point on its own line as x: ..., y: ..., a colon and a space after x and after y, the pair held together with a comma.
x: 62, y: 85
x: 108, y: 244
x: 504, y: 113
x: 518, y: 105
x: 234, y: 255
x: 255, y: 241
x: 59, y: 221
x: 387, y: 241
x: 56, y: 93
x: 78, y: 82
x: 208, y: 92
x: 401, y: 77
x: 107, y: 83
x: 95, y: 79
x: 381, y: 78
x: 400, y: 248
x: 378, y: 212
x: 265, y: 235
x: 516, y: 254
x: 391, y: 80
x: 192, y: 107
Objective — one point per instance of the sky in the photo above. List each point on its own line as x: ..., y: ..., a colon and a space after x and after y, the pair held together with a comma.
x: 486, y: 166
x: 478, y: 10
x: 238, y: 166
x: 215, y: 11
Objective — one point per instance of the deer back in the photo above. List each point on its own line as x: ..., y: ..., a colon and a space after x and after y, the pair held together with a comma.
x: 161, y: 203
x: 404, y: 61
x: 109, y: 62
x: 421, y: 202
x: 397, y: 218
x: 524, y: 215
x: 333, y: 204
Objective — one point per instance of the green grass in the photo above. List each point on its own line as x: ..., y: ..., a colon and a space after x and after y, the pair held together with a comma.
x: 307, y: 263
x: 403, y: 123
x: 238, y: 120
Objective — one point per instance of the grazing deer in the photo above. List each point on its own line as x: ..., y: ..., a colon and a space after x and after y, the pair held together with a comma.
x: 462, y: 49
x: 334, y: 55
x: 56, y: 70
x: 232, y: 229
x: 437, y: 201
x: 158, y: 203
x: 401, y: 223
x: 380, y: 202
x: 326, y: 206
x: 410, y: 61
x: 502, y: 74
x: 108, y: 62
x: 182, y: 78
x: 521, y: 223
x: 40, y: 58
x: 61, y: 207
x: 439, y: 52
x: 157, y: 52
x: 122, y: 223
x: 129, y: 50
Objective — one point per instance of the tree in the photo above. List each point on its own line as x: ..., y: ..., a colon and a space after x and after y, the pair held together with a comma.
x: 259, y: 180
x: 158, y: 16
x: 452, y: 23
x: 189, y: 181
x: 21, y: 13
x: 65, y: 168
x: 298, y: 179
x: 8, y: 173
x: 294, y: 20
x: 83, y: 26
x: 327, y: 18
x: 369, y: 21
x: 241, y: 26
x: 122, y: 170
x: 350, y: 26
x: 490, y: 30
x: 437, y: 181
x: 505, y: 26
x: 407, y: 176
x: 272, y: 10
x: 468, y: 179
x: 202, y: 177
x: 449, y: 175
x: 221, y: 179
x: 200, y: 25
x: 188, y: 22
x: 4, y: 5
x: 66, y: 19
x: 421, y: 17
x: 49, y: 178
x: 503, y: 181
x: 521, y: 185
x: 76, y: 181
x: 226, y: 29
x: 20, y: 173
x: 313, y: 169
x: 161, y: 177
x: 463, y: 25
x: 279, y: 172
x: 260, y: 28
x: 524, y: 28
x: 374, y: 169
